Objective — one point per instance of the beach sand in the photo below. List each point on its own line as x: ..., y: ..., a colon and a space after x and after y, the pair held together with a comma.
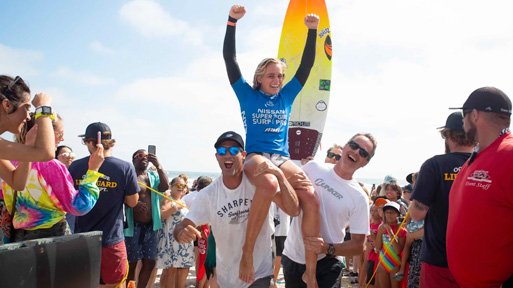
x: 191, y: 280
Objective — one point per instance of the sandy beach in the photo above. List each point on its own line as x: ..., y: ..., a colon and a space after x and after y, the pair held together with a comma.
x: 191, y: 280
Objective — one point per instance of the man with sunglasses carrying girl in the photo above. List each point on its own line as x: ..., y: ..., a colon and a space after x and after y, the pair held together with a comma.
x: 265, y: 109
x: 226, y: 203
x: 342, y: 202
x: 118, y: 186
x: 144, y: 219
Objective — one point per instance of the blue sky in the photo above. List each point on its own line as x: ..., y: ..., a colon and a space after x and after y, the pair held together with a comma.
x: 153, y: 70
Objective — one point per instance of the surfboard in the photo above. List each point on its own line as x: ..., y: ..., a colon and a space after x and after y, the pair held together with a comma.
x: 310, y: 108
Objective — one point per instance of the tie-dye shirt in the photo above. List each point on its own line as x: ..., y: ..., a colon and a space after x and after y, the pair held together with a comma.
x: 49, y: 195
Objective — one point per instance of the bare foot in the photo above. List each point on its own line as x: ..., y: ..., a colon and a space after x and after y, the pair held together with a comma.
x: 311, y: 281
x: 246, y: 270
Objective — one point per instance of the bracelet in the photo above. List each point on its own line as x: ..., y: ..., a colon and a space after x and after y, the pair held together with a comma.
x: 230, y: 23
x: 52, y: 116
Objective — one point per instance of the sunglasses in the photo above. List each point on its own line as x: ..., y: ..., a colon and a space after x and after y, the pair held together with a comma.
x: 355, y: 147
x: 233, y: 150
x: 140, y: 155
x: 178, y: 185
x: 13, y: 82
x: 465, y: 112
x: 68, y: 154
x: 331, y: 155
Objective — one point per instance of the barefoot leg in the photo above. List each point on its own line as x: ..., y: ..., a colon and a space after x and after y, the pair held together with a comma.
x: 310, y: 226
x: 266, y: 186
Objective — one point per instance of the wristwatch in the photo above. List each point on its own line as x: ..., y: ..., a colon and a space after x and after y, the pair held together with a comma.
x: 331, y: 250
x: 44, y: 111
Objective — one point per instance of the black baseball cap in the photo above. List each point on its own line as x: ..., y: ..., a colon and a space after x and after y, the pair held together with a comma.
x: 488, y: 99
x: 93, y: 128
x: 407, y: 188
x: 454, y: 122
x: 409, y: 177
x: 230, y: 135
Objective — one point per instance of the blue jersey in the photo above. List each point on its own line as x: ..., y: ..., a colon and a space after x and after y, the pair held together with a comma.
x: 266, y: 118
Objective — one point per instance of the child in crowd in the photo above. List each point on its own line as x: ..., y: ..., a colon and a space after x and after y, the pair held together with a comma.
x: 372, y: 252
x: 390, y: 247
x: 415, y: 232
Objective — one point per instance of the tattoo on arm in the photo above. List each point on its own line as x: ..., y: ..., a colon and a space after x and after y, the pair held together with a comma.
x: 419, y: 205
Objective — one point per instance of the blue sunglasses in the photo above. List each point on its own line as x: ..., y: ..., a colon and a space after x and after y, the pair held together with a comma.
x: 233, y: 150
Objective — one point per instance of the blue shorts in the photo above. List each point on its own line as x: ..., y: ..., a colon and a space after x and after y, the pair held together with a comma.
x: 144, y: 243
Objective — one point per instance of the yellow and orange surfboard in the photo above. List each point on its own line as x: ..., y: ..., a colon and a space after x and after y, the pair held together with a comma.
x: 310, y: 108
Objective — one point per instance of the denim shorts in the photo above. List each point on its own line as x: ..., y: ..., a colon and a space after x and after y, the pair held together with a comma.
x: 144, y: 243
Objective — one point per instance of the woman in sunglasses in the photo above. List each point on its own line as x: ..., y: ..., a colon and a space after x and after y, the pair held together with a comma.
x: 14, y: 112
x: 41, y: 207
x: 265, y: 108
x: 173, y: 257
x: 65, y: 155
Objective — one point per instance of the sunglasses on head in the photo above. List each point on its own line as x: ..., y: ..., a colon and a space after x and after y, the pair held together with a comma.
x: 140, y: 155
x: 331, y: 155
x: 178, y: 185
x: 355, y: 147
x: 233, y: 150
x: 13, y: 82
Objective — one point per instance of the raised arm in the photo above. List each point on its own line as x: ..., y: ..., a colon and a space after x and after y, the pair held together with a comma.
x: 164, y: 181
x: 88, y: 191
x: 43, y: 150
x: 230, y: 59
x: 308, y: 58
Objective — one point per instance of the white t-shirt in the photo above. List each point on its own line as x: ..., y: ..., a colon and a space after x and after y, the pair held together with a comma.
x: 189, y: 198
x: 227, y: 212
x: 342, y: 202
x: 283, y: 228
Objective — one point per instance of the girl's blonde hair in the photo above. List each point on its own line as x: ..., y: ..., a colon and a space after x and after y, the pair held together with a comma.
x: 260, y: 70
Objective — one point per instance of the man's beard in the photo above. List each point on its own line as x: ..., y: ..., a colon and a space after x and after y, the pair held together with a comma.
x: 471, y: 133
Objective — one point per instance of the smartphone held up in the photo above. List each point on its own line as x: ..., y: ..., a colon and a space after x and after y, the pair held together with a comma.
x: 152, y: 149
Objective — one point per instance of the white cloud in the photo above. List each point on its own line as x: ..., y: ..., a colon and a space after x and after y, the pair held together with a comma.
x: 80, y: 77
x: 396, y: 71
x: 19, y: 61
x: 397, y: 67
x: 99, y: 48
x: 151, y: 20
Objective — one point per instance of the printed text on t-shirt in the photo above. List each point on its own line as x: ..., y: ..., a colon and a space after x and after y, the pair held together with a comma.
x: 320, y: 182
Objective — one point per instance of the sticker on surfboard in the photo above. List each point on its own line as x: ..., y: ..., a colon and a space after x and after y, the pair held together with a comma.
x: 309, y: 112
